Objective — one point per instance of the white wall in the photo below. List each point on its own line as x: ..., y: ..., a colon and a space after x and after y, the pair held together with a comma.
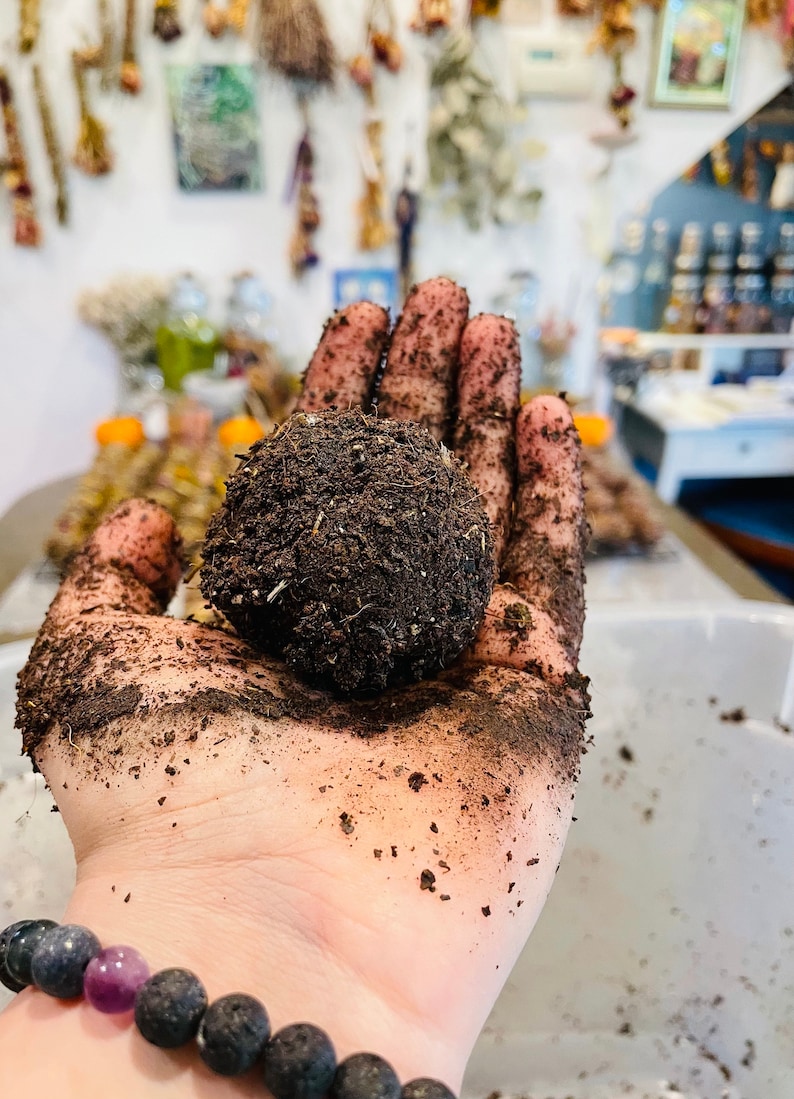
x: 59, y: 378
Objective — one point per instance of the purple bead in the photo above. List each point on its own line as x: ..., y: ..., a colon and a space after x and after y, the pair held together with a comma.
x: 113, y: 977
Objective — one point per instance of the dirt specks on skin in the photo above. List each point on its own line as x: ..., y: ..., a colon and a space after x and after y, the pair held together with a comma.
x: 427, y: 880
x: 735, y: 716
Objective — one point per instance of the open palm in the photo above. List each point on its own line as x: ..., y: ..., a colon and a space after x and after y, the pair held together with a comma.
x: 287, y: 843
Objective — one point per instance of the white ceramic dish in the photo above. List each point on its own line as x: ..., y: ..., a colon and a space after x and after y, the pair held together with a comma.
x: 663, y: 964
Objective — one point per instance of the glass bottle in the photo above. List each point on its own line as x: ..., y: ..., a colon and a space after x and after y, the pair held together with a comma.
x: 750, y: 289
x: 784, y: 255
x: 717, y: 314
x: 720, y: 259
x: 622, y: 277
x: 187, y: 341
x: 249, y: 335
x: 655, y: 283
x: 681, y: 311
x: 782, y: 301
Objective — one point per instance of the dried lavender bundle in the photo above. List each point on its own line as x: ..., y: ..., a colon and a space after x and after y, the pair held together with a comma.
x: 294, y: 40
x: 53, y: 147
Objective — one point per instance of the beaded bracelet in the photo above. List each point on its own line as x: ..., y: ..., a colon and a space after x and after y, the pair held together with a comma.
x: 171, y: 1009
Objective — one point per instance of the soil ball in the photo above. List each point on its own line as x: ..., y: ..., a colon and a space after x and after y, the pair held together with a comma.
x: 354, y: 547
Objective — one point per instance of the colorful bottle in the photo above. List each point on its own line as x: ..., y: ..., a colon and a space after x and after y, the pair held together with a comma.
x: 187, y: 342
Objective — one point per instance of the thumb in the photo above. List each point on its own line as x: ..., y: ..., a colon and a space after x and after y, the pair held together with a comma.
x: 132, y: 563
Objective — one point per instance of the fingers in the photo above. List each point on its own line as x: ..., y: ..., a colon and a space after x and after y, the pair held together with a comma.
x: 488, y: 394
x: 422, y: 362
x: 545, y: 554
x: 344, y: 366
x: 516, y: 634
x: 132, y: 562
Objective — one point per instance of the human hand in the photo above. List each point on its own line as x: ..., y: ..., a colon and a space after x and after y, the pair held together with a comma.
x: 228, y: 818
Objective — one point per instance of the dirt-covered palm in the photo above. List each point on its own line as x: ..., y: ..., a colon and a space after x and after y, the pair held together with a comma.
x: 370, y: 866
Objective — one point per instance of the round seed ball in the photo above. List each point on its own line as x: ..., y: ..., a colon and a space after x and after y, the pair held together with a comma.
x: 355, y: 547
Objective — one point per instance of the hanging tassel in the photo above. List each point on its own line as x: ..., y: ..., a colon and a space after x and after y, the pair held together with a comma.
x: 294, y: 41
x: 91, y: 154
x: 29, y: 24
x: 301, y: 248
x: 27, y: 231
x: 130, y: 79
x: 165, y: 24
x: 53, y: 147
x: 406, y: 214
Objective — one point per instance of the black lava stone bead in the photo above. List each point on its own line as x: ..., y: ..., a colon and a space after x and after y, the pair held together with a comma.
x: 22, y: 946
x: 6, y: 935
x: 232, y: 1034
x: 365, y: 1076
x: 300, y: 1063
x: 60, y: 960
x: 169, y: 1007
x: 425, y: 1088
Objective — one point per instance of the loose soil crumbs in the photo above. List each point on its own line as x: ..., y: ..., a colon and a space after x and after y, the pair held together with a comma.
x: 354, y: 547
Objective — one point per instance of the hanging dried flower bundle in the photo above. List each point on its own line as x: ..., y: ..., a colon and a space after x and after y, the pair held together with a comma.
x: 406, y: 214
x: 432, y: 16
x: 750, y: 181
x: 215, y: 18
x: 488, y: 9
x: 615, y: 34
x: 29, y: 24
x: 301, y: 247
x: 53, y: 147
x: 621, y: 95
x: 469, y: 146
x: 721, y: 165
x: 294, y: 40
x: 616, y: 31
x: 165, y: 22
x: 106, y: 37
x: 130, y: 79
x: 761, y: 12
x: 27, y: 231
x: 575, y: 8
x: 91, y: 154
x: 382, y: 47
x: 237, y: 16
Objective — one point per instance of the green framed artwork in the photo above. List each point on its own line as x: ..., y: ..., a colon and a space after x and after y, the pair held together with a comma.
x: 697, y: 51
x: 216, y: 129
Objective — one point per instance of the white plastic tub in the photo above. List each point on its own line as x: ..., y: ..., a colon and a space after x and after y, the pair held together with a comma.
x: 663, y: 964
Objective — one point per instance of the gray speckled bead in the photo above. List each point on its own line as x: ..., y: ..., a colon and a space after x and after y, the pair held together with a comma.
x: 60, y: 960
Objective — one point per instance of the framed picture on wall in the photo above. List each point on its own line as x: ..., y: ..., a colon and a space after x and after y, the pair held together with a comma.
x: 696, y: 54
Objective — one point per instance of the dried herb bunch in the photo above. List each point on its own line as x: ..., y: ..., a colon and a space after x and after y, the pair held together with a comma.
x: 294, y: 40
x: 165, y: 21
x: 469, y: 147
x: 29, y: 24
x: 301, y: 247
x: 91, y: 154
x: 130, y: 79
x: 27, y: 231
x: 53, y: 147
